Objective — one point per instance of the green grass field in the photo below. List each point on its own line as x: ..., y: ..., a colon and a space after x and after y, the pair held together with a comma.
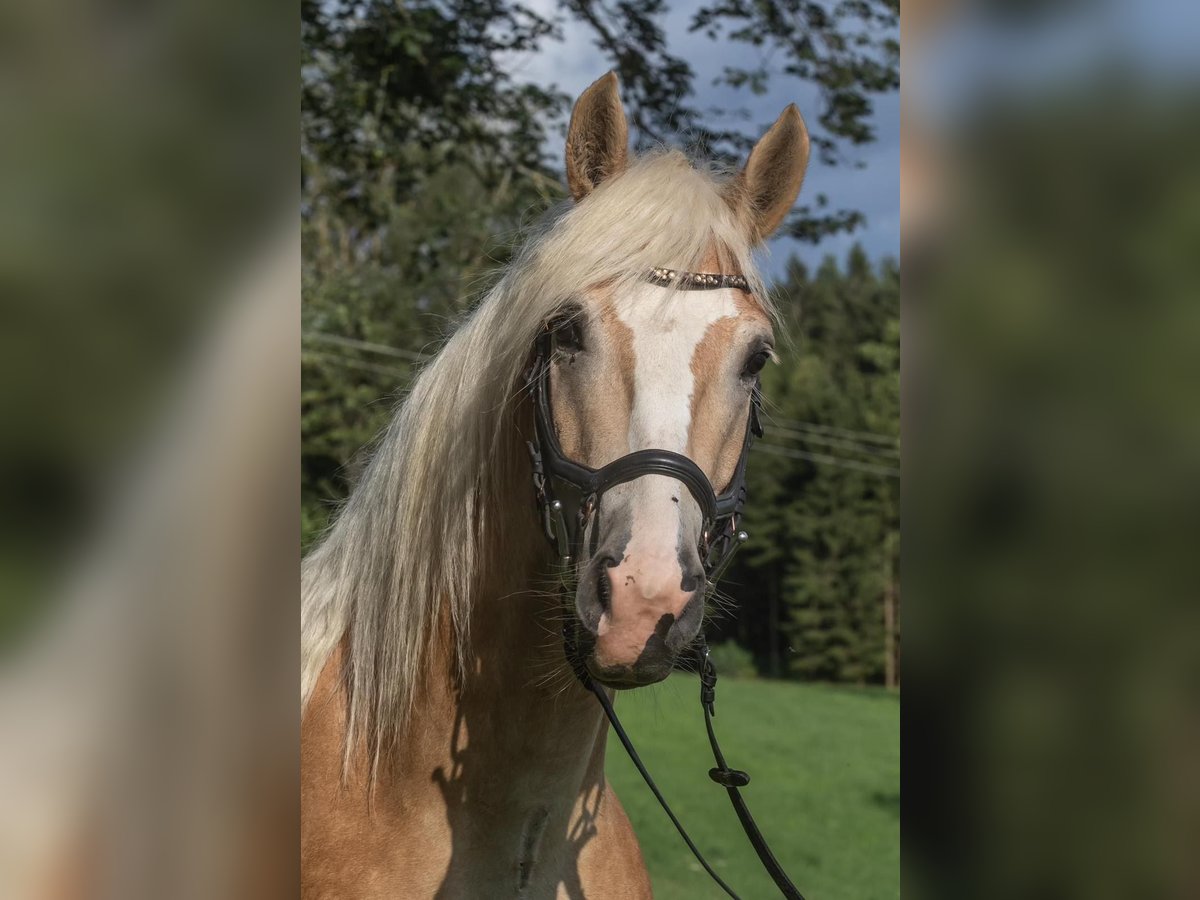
x: 825, y: 789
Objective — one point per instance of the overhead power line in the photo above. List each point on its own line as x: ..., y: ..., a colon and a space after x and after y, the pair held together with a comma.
x: 871, y: 436
x: 356, y: 344
x: 827, y: 441
x: 821, y: 458
x: 352, y: 363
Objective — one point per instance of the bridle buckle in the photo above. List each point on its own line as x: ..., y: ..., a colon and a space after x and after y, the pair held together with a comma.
x: 725, y: 548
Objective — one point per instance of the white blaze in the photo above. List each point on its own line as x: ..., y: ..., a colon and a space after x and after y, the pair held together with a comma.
x: 667, y: 327
x: 666, y: 331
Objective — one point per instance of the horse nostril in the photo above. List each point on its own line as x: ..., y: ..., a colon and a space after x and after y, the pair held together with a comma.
x: 604, y: 586
x: 692, y: 581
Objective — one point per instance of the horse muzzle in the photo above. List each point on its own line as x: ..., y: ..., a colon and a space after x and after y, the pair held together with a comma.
x: 639, y: 603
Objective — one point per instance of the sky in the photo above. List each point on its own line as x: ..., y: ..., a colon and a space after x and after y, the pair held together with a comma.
x: 874, y: 190
x: 974, y: 51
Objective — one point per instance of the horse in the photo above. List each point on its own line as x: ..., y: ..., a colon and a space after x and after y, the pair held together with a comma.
x: 447, y: 748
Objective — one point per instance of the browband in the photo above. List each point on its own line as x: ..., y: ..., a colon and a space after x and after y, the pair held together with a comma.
x: 696, y: 281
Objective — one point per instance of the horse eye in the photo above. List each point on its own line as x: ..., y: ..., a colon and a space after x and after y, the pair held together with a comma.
x: 568, y: 333
x: 755, y: 363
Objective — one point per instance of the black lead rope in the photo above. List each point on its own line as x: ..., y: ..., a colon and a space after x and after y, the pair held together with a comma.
x: 662, y: 801
x: 730, y: 779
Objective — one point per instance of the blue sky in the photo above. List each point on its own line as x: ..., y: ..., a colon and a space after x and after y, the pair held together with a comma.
x: 874, y: 190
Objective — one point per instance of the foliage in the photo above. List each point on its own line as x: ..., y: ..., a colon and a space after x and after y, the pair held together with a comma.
x: 824, y: 513
x: 392, y: 93
x: 825, y: 788
x: 443, y: 247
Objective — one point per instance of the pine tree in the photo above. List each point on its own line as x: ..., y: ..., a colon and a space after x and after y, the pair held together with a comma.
x: 815, y: 585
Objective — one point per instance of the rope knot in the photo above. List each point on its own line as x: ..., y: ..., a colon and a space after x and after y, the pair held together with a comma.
x: 729, y: 777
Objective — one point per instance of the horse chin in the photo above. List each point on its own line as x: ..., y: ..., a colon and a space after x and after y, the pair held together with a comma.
x: 627, y: 677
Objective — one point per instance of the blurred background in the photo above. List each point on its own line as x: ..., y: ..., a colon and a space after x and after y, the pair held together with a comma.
x: 1051, y: 199
x: 149, y: 344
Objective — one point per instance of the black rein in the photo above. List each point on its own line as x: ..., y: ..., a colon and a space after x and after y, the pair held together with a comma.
x: 722, y: 774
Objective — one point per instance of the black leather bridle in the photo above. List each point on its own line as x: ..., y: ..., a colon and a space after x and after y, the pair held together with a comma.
x: 553, y: 470
x: 554, y: 474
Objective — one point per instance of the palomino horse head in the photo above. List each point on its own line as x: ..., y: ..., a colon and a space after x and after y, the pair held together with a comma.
x: 639, y: 366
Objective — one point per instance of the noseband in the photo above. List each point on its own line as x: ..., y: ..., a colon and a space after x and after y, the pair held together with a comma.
x: 720, y: 538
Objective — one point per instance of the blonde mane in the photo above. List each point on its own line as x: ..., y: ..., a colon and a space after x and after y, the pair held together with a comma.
x: 405, y: 556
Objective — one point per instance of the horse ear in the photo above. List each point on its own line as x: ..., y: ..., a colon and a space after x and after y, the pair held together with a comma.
x: 766, y: 188
x: 597, y: 138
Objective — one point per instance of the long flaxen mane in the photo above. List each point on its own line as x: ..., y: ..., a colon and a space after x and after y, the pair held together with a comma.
x: 407, y: 551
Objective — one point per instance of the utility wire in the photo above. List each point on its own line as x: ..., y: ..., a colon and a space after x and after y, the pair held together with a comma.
x: 871, y: 436
x: 832, y: 441
x: 356, y: 344
x: 776, y: 450
x: 352, y: 363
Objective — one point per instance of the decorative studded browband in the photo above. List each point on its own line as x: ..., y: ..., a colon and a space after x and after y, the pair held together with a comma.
x: 696, y: 281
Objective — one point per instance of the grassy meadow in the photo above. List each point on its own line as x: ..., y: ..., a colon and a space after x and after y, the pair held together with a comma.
x: 825, y: 786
